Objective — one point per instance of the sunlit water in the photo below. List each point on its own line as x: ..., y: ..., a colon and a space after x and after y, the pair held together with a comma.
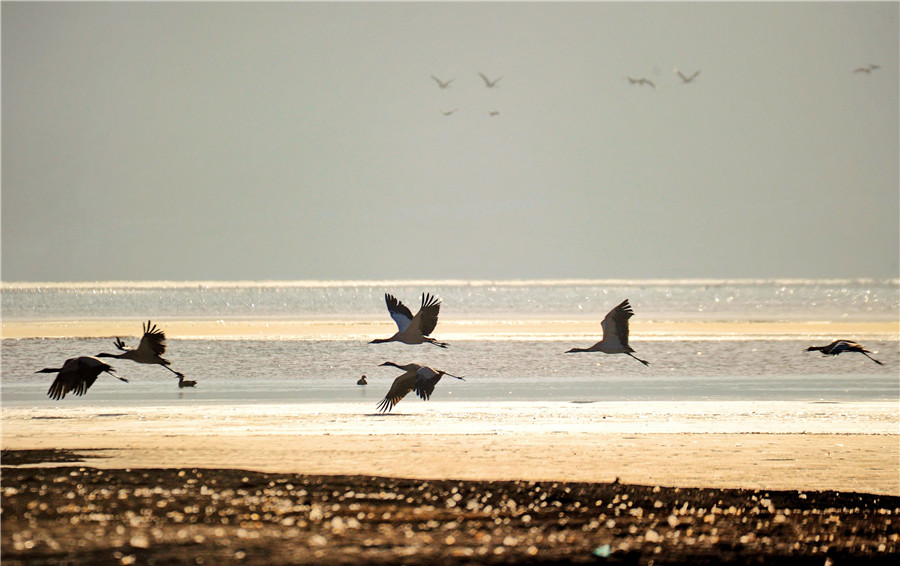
x: 298, y: 371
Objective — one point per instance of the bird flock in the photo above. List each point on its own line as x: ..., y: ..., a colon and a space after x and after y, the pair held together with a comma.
x: 488, y: 83
x: 77, y: 375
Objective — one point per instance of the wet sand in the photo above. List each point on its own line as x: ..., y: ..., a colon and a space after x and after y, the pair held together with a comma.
x: 492, y: 483
x: 319, y: 329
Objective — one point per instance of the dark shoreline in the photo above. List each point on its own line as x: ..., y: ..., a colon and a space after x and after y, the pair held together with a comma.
x: 81, y: 515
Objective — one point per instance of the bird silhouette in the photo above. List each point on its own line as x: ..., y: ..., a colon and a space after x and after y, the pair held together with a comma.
x: 840, y: 346
x: 642, y: 82
x: 684, y: 79
x: 416, y: 377
x: 488, y: 82
x: 76, y: 376
x: 149, y: 351
x: 449, y: 112
x: 442, y: 84
x: 413, y: 329
x: 615, y: 334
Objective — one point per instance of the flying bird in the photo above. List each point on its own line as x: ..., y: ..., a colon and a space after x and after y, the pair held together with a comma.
x: 494, y: 112
x: 149, y: 351
x: 77, y: 375
x: 862, y: 70
x: 642, y: 82
x: 488, y: 82
x: 615, y: 334
x: 442, y: 84
x: 449, y: 112
x: 413, y: 329
x: 841, y: 346
x: 418, y: 378
x: 685, y: 79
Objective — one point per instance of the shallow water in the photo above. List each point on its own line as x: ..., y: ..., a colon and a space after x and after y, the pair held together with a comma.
x: 300, y: 371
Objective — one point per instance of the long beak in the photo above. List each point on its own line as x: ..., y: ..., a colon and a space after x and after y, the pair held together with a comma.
x: 456, y: 376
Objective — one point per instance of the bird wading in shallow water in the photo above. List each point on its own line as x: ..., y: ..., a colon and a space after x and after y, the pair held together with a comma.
x: 413, y: 329
x: 149, y: 351
x: 615, y: 334
x: 841, y: 346
x: 76, y: 376
x: 418, y: 378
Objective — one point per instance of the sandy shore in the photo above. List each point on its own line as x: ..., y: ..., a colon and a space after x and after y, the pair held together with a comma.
x: 452, y: 483
x: 450, y: 329
x: 814, y: 446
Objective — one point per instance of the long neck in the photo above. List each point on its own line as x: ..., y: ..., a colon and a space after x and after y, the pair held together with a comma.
x: 577, y: 350
x: 49, y: 370
x: 394, y: 365
x: 109, y: 355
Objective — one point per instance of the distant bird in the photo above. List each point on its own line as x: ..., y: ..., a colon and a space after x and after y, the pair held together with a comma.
x: 362, y: 381
x: 418, y: 378
x: 149, y: 351
x: 441, y: 83
x: 685, y: 79
x: 642, y: 81
x: 413, y: 329
x: 841, y: 346
x: 615, y: 334
x: 182, y: 382
x: 494, y: 112
x: 77, y: 375
x: 862, y: 70
x: 449, y: 112
x: 488, y: 82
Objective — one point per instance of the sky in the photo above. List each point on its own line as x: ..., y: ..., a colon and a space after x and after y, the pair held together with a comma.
x: 288, y: 141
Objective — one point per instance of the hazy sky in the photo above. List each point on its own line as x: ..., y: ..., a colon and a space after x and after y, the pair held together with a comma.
x: 307, y: 141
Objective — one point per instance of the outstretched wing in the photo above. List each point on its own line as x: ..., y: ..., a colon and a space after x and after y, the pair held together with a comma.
x: 399, y: 312
x: 428, y: 314
x: 615, y: 325
x: 154, y: 339
x: 75, y: 377
x: 426, y: 379
x: 401, y: 386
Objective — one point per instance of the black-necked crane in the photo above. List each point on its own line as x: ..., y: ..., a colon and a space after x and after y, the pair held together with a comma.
x: 442, y: 84
x: 413, y: 329
x: 488, y: 82
x: 684, y: 79
x: 76, y: 376
x: 615, y: 334
x: 642, y: 82
x: 149, y: 351
x: 841, y: 346
x: 418, y: 378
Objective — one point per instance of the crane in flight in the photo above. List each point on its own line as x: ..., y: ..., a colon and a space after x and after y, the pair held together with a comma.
x: 76, y: 376
x: 685, y: 79
x: 488, y: 82
x: 841, y: 346
x: 149, y: 351
x: 642, y: 81
x: 442, y: 84
x: 418, y: 378
x: 615, y: 334
x: 413, y: 329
